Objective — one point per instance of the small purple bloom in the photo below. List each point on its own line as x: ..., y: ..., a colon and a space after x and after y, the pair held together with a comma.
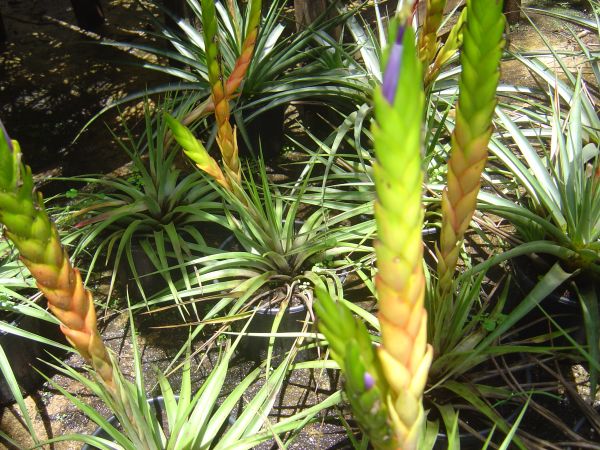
x: 6, y: 136
x: 369, y: 381
x: 392, y: 71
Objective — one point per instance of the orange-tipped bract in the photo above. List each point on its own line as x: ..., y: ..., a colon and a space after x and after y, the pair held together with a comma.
x: 405, y: 355
x: 35, y: 236
x: 480, y: 58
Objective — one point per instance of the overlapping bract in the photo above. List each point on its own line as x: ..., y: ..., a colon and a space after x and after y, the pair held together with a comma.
x: 389, y: 382
x: 223, y: 91
x: 366, y: 387
x: 225, y: 133
x: 405, y: 355
x: 480, y: 58
x: 243, y: 62
x: 428, y: 40
x: 35, y: 236
x: 195, y: 150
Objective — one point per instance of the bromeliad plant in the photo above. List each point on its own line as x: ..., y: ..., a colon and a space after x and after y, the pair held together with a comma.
x: 560, y: 213
x: 278, y: 245
x: 480, y: 59
x: 156, y: 213
x: 229, y: 175
x: 268, y: 221
x: 28, y: 226
x: 283, y: 66
x: 385, y: 387
x: 194, y: 420
x: 558, y: 218
x: 264, y: 223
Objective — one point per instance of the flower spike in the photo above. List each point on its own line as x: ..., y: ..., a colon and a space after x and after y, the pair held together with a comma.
x: 480, y: 59
x: 35, y: 236
x: 225, y: 132
x: 405, y: 355
x: 366, y: 387
x: 243, y: 62
x: 194, y: 150
x: 428, y: 39
x: 222, y: 92
x: 391, y: 384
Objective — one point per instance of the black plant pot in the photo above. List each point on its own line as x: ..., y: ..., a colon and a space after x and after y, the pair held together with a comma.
x: 528, y: 269
x: 255, y: 347
x: 508, y: 411
x: 150, y: 279
x: 24, y: 354
x: 157, y: 403
x: 562, y: 304
x: 265, y: 132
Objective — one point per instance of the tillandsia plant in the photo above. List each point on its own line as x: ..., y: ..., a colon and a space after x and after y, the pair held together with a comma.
x: 28, y: 226
x: 194, y: 419
x: 480, y: 59
x: 558, y: 219
x: 279, y: 248
x: 560, y: 213
x: 221, y: 94
x: 306, y: 65
x: 156, y: 215
x: 399, y: 282
x: 386, y: 386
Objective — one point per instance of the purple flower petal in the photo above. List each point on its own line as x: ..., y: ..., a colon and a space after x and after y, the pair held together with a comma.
x: 6, y: 136
x: 392, y: 71
x: 369, y: 381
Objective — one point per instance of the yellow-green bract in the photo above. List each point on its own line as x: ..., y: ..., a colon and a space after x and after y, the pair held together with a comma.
x: 404, y: 354
x: 480, y: 58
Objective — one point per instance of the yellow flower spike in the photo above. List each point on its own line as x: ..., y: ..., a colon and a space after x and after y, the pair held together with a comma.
x: 36, y: 238
x: 428, y: 39
x: 480, y: 59
x: 404, y: 354
x: 194, y: 149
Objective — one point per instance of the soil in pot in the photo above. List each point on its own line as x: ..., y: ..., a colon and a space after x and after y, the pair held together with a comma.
x: 26, y: 356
